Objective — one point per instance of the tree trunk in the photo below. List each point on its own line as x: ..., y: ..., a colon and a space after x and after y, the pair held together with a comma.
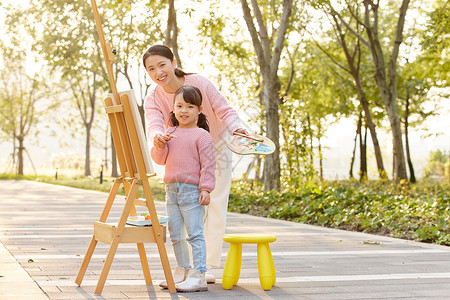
x: 388, y: 86
x: 289, y: 159
x: 412, y: 177
x: 87, y: 161
x: 362, y: 154
x: 20, y: 155
x: 371, y: 125
x: 171, y: 38
x: 311, y: 147
x: 319, y: 134
x: 258, y: 168
x: 268, y: 61
x: 399, y: 166
x: 358, y: 130
x: 272, y: 171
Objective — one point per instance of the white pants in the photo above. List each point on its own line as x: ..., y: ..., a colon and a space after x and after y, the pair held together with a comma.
x: 216, y: 211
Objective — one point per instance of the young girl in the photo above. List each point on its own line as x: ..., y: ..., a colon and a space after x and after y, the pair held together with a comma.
x: 223, y: 120
x: 189, y: 162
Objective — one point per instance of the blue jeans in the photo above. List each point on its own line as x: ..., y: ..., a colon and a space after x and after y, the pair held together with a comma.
x: 186, y: 216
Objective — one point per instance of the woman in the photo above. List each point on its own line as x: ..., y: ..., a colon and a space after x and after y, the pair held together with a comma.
x: 223, y: 120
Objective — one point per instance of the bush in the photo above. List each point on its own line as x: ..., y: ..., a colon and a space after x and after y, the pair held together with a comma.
x: 420, y: 212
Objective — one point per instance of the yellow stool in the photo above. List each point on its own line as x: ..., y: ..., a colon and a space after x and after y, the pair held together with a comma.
x: 266, y: 268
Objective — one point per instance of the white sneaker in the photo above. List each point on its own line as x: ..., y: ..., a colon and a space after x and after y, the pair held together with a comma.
x: 209, y: 277
x: 179, y: 275
x: 194, y: 282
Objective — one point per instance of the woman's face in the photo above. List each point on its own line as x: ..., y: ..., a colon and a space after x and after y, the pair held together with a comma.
x: 160, y: 69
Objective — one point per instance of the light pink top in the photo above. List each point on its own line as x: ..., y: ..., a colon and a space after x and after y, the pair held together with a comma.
x: 220, y: 115
x: 188, y: 158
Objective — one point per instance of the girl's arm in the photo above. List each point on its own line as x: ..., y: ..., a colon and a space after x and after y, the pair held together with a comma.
x: 159, y: 156
x: 204, y: 198
x: 207, y: 159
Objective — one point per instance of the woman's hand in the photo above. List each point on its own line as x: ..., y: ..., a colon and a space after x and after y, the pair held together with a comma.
x: 160, y: 140
x: 241, y: 130
x: 204, y: 198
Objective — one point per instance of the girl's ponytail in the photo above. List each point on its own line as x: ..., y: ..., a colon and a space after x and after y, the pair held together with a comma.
x: 202, y: 122
x: 173, y: 120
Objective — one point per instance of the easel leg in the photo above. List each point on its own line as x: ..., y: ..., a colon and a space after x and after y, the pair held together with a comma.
x: 110, y: 200
x: 93, y: 243
x: 107, y: 266
x: 116, y: 240
x: 144, y: 263
x: 86, y: 260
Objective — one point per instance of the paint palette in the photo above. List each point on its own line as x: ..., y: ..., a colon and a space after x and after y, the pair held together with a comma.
x: 250, y: 144
x: 142, y: 221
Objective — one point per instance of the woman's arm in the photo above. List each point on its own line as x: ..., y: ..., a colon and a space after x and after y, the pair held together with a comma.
x: 153, y: 116
x: 221, y: 107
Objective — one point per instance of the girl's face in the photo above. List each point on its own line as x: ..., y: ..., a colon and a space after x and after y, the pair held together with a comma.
x: 186, y: 113
x: 160, y: 69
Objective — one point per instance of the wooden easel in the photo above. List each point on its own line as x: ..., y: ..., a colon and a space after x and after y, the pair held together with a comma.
x: 135, y: 168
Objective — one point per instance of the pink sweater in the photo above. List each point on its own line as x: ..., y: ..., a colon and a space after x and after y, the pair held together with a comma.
x: 221, y: 116
x: 188, y: 158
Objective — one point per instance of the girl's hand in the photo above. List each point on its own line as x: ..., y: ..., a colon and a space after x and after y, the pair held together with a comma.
x: 160, y: 140
x: 204, y: 198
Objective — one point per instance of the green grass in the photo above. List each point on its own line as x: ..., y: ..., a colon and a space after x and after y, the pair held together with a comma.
x: 91, y: 183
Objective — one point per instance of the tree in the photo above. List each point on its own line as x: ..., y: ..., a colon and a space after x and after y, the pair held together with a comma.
x: 351, y: 48
x: 385, y: 74
x: 425, y: 68
x: 171, y: 36
x: 68, y: 43
x: 21, y: 89
x: 268, y: 51
x: 387, y: 81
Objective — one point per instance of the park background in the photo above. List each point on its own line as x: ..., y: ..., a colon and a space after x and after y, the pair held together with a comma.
x: 51, y: 66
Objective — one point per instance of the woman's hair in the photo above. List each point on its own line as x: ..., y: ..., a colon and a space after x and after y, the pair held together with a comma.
x: 164, y: 51
x: 191, y: 95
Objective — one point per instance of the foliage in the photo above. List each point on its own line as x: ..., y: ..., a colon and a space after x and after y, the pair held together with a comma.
x: 67, y: 39
x: 437, y: 164
x: 421, y: 212
x: 306, y: 110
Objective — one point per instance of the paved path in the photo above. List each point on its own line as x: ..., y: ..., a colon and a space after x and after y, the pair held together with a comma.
x: 46, y: 230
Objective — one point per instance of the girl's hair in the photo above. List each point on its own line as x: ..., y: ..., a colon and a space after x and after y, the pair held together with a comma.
x: 164, y: 51
x: 191, y: 95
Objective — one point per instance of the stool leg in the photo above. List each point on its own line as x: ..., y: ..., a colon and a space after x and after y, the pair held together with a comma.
x: 264, y: 266
x: 231, y: 264
x: 237, y: 265
x: 274, y: 275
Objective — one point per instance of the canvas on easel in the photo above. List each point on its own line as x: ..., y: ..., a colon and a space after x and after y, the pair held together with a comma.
x: 135, y: 168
